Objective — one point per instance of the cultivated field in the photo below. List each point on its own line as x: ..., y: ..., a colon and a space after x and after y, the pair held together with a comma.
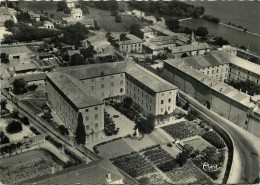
x: 25, y: 166
x: 197, y: 142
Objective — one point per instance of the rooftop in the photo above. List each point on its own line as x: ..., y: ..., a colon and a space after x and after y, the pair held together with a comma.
x: 245, y: 64
x: 29, y: 78
x: 24, y: 67
x: 202, y: 61
x: 91, y: 173
x: 15, y: 50
x: 72, y: 52
x: 73, y: 89
x: 146, y: 30
x: 214, y: 84
x: 141, y: 74
x: 188, y: 48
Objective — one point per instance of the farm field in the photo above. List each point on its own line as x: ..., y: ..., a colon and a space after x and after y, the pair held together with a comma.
x: 107, y: 22
x: 188, y: 173
x: 197, y: 142
x: 26, y: 165
x: 183, y: 130
x: 134, y: 164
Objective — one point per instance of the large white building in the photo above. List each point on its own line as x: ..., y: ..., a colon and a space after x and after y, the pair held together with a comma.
x: 83, y: 88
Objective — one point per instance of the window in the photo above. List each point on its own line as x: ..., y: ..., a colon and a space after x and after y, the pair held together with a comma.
x: 138, y: 99
x: 150, y: 100
x: 121, y: 90
x: 137, y: 90
x: 170, y: 92
x: 162, y: 94
x: 146, y: 105
x: 96, y: 108
x: 121, y: 82
x: 87, y: 127
x: 87, y: 118
x: 126, y: 82
x: 142, y: 94
x: 102, y: 85
x: 161, y: 101
x: 112, y: 83
x: 96, y: 125
x: 169, y: 107
x: 102, y: 94
x: 212, y: 71
x: 161, y: 110
x: 92, y: 88
x: 207, y: 72
x: 169, y: 100
x: 86, y: 110
x: 217, y: 70
x: 96, y: 116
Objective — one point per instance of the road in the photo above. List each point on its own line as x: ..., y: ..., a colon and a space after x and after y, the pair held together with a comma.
x: 245, y: 167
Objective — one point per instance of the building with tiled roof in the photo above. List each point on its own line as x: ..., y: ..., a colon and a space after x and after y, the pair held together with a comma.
x: 97, y: 172
x: 219, y: 97
x: 242, y: 70
x: 214, y: 64
x: 130, y: 44
x: 82, y: 88
x: 191, y: 49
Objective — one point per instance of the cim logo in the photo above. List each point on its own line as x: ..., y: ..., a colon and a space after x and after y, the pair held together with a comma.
x: 210, y: 168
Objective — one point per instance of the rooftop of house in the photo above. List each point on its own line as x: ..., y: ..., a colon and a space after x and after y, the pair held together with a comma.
x: 132, y: 40
x: 214, y: 84
x: 48, y: 22
x: 188, y: 48
x: 74, y: 90
x: 151, y: 17
x: 34, y: 15
x: 72, y: 52
x: 92, y: 173
x: 24, y: 67
x: 141, y: 74
x: 146, y: 30
x: 15, y: 50
x: 29, y: 78
x: 245, y: 64
x: 202, y: 61
x: 77, y: 10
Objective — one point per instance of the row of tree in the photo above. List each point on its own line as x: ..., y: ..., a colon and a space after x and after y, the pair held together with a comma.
x: 172, y: 8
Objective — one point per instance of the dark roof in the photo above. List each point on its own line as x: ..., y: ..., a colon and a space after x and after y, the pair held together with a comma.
x: 29, y: 78
x: 94, y: 70
x: 203, y: 61
x: 91, y: 173
x: 73, y: 89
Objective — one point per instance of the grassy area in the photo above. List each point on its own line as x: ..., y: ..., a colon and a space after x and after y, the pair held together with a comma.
x: 107, y: 22
x: 198, y: 143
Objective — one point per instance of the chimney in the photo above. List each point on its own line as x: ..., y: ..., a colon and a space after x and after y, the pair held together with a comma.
x: 108, y: 177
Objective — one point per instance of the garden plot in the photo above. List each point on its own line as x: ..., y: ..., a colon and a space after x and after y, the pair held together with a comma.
x: 173, y: 150
x: 197, y: 143
x: 26, y: 132
x: 114, y: 149
x: 134, y: 164
x: 183, y: 130
x: 25, y: 166
x: 188, y: 173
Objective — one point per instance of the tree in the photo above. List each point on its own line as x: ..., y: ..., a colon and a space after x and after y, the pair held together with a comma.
x: 88, y: 52
x: 202, y: 31
x: 123, y: 37
x: 3, y: 103
x: 9, y: 24
x: 182, y: 157
x: 66, y: 58
x: 135, y: 30
x: 147, y: 125
x: 220, y: 41
x: 173, y: 24
x: 32, y: 87
x: 118, y: 18
x: 80, y: 131
x: 3, y: 138
x: 63, y: 130
x: 77, y: 59
x: 14, y: 127
x: 61, y: 6
x: 19, y: 86
x: 127, y: 102
x: 25, y: 121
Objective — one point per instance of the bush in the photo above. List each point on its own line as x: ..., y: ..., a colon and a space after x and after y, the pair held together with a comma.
x: 186, y: 106
x: 25, y: 121
x: 35, y: 131
x: 192, y: 115
x: 14, y: 127
x: 55, y: 143
x: 3, y: 138
x: 32, y: 87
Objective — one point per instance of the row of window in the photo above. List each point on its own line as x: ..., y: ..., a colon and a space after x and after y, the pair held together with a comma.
x: 88, y: 126
x: 103, y: 78
x: 169, y: 101
x: 95, y: 108
x: 96, y: 117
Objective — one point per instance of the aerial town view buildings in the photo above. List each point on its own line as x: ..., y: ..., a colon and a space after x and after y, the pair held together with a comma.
x: 117, y: 93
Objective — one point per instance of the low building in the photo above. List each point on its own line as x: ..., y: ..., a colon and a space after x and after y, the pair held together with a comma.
x: 76, y: 13
x: 138, y: 14
x: 151, y: 19
x: 130, y: 44
x: 34, y: 16
x: 48, y: 25
x: 24, y: 68
x: 147, y: 33
x: 97, y: 172
x: 17, y: 54
x: 215, y: 64
x: 219, y: 97
x: 242, y: 70
x: 70, y: 4
x: 190, y: 50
